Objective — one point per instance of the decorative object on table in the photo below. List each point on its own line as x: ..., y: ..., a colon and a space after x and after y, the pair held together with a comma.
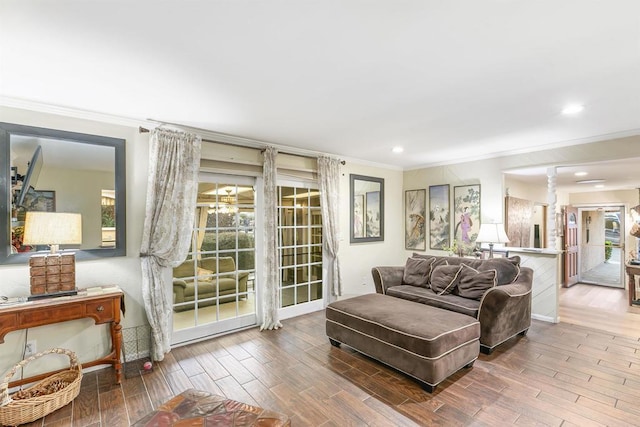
x: 414, y: 219
x: 46, y: 396
x: 439, y: 217
x: 367, y: 221
x: 466, y: 213
x: 491, y: 234
x: 54, y: 272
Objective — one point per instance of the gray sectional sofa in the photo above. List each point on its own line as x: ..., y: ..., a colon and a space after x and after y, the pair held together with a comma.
x: 496, y: 292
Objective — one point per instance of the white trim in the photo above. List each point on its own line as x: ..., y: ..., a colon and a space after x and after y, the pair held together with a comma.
x: 301, y: 309
x: 544, y: 318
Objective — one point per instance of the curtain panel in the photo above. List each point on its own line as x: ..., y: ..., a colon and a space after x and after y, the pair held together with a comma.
x: 329, y: 183
x: 174, y: 163
x: 270, y: 302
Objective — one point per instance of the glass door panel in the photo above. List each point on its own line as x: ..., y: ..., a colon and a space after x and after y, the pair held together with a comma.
x: 215, y: 289
x: 300, y: 249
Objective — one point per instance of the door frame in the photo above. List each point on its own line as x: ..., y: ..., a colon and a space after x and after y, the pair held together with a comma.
x: 622, y: 208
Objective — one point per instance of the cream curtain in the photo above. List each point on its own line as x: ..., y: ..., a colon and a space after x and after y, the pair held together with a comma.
x: 271, y: 258
x: 174, y: 161
x: 329, y: 183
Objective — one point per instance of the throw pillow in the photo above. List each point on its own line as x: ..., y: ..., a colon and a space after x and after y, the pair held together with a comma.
x: 444, y: 278
x: 203, y: 272
x: 473, y: 283
x: 417, y: 271
x: 507, y: 270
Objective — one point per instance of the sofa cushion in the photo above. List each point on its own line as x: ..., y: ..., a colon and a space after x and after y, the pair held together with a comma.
x: 417, y: 271
x: 445, y: 278
x: 186, y: 269
x: 508, y: 269
x: 473, y: 283
x: 218, y: 265
x: 426, y: 296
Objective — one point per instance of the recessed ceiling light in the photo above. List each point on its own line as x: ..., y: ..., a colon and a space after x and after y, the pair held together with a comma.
x: 581, y: 174
x: 572, y: 109
x: 590, y: 181
x: 600, y: 186
x: 397, y: 149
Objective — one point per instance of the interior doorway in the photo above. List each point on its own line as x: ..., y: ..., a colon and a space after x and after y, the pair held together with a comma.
x: 601, y: 246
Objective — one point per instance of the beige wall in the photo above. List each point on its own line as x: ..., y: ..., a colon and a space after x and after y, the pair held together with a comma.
x: 79, y: 190
x: 90, y: 341
x: 357, y: 259
x: 82, y: 337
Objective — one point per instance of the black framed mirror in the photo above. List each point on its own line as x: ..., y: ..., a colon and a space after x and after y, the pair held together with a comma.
x: 58, y: 171
x: 366, y: 208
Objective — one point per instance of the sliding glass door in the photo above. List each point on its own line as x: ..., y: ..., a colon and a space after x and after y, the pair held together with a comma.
x: 214, y: 290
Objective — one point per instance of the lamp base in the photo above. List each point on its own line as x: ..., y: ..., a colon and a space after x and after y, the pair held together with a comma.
x: 52, y: 295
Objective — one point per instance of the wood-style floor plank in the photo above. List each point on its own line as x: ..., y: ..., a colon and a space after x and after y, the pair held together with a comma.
x: 584, y: 371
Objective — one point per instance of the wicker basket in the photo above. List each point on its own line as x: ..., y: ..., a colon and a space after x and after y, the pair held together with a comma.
x: 21, y: 411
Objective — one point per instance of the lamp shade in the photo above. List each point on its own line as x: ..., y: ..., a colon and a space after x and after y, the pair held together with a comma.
x: 492, y: 233
x: 52, y: 228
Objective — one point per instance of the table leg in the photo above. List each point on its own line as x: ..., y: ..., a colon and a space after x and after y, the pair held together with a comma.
x: 116, y: 340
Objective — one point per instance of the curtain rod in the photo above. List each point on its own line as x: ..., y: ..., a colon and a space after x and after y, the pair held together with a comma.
x: 145, y: 130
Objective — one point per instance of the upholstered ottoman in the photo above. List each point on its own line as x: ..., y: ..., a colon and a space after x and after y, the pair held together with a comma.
x: 424, y: 342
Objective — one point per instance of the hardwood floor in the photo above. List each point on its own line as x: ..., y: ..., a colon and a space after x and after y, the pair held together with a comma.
x: 558, y: 375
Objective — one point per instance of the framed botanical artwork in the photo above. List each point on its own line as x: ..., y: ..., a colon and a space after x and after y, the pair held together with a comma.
x: 439, y: 217
x: 466, y: 214
x: 366, y: 209
x: 414, y: 219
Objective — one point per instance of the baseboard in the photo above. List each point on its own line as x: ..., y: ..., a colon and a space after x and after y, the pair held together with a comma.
x: 544, y: 318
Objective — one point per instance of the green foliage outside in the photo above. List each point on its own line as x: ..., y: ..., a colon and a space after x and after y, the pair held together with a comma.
x: 108, y: 216
x: 608, y: 250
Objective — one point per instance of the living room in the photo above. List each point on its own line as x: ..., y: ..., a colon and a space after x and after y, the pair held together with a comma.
x: 356, y: 259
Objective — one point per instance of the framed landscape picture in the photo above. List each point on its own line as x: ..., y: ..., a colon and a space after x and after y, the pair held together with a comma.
x: 466, y: 214
x: 439, y: 217
x: 414, y: 219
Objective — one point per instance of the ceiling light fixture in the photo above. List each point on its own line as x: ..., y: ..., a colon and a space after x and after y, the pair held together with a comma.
x: 590, y: 181
x: 572, y: 109
x: 397, y: 149
x: 581, y: 174
x: 600, y: 186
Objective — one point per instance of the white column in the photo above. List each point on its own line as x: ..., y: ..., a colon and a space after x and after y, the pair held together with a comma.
x: 552, y: 200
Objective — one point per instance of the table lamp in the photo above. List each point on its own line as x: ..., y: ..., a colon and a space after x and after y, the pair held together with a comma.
x: 52, y: 273
x: 492, y: 233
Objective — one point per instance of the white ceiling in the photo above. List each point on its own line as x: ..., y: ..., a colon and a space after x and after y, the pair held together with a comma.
x: 615, y: 174
x: 447, y: 80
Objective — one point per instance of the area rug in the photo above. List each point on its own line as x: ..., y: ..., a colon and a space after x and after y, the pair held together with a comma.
x: 196, y: 408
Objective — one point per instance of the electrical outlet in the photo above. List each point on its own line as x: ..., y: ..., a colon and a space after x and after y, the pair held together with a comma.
x: 30, y: 348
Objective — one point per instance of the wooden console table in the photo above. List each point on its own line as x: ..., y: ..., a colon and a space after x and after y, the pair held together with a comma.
x: 102, y: 305
x: 632, y: 272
